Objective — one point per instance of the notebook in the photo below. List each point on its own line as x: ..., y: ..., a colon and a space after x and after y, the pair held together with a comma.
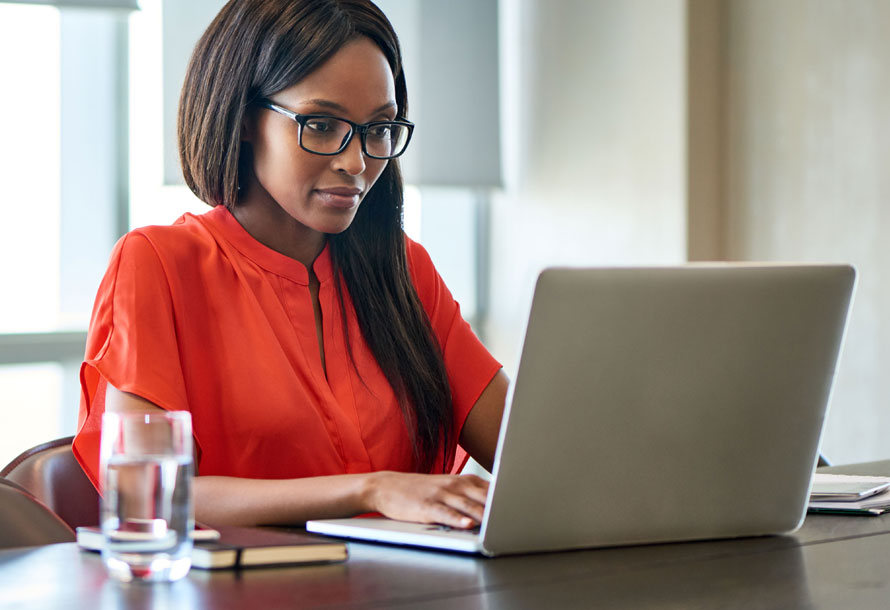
x: 656, y: 405
x: 241, y: 547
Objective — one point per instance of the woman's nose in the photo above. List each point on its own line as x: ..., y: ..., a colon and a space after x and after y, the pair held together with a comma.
x: 351, y: 160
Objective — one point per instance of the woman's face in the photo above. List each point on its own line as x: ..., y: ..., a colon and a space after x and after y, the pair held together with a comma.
x: 322, y: 193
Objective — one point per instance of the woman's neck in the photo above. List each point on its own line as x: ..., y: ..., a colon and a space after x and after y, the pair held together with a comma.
x: 270, y: 225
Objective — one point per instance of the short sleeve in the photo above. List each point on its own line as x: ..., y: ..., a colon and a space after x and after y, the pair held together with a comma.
x: 469, y: 365
x: 131, y: 343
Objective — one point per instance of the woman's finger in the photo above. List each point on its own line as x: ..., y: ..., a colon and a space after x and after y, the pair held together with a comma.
x: 464, y: 504
x: 475, y: 488
x: 453, y: 518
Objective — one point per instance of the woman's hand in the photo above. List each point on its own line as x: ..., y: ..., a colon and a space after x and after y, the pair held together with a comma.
x: 453, y: 500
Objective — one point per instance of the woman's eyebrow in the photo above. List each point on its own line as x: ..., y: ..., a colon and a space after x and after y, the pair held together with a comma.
x: 335, y: 106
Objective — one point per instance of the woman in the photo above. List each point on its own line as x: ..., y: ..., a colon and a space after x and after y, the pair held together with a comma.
x: 325, y: 364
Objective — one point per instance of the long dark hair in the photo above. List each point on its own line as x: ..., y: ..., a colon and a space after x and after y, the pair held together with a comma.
x: 254, y: 49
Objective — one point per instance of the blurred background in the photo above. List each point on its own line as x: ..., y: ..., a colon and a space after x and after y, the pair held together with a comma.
x: 578, y: 132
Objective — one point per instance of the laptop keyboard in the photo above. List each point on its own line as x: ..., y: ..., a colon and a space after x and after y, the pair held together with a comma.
x: 448, y: 528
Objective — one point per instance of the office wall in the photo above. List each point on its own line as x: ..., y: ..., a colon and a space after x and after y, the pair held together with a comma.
x: 654, y: 131
x: 593, y: 145
x: 808, y: 175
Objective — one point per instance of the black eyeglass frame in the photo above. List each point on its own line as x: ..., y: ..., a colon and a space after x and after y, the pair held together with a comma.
x: 360, y: 128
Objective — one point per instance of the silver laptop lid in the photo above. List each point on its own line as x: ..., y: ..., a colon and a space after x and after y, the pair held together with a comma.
x: 666, y: 404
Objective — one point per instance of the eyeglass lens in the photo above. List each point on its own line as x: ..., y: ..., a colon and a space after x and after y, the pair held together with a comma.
x: 328, y: 135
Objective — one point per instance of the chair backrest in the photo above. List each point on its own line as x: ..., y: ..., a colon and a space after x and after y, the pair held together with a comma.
x: 51, y: 474
x: 25, y: 521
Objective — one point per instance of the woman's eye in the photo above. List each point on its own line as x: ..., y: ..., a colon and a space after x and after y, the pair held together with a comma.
x: 380, y: 131
x: 320, y: 125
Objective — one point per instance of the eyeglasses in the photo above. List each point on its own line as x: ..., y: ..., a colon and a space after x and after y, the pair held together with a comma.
x: 321, y: 134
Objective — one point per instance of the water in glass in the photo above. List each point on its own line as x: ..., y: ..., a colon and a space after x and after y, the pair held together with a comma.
x: 146, y: 514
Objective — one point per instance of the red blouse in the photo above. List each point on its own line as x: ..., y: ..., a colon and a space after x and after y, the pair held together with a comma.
x: 200, y: 316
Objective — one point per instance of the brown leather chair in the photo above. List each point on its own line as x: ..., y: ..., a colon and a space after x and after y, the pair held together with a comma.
x: 25, y: 521
x: 52, y: 475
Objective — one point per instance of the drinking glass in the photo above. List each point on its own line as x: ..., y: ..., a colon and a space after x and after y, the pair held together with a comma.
x: 146, y: 480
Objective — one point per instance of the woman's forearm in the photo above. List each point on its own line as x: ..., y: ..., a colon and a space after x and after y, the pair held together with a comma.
x: 458, y: 501
x: 247, y: 502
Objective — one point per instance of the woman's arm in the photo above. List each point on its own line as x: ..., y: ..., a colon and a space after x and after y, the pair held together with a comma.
x: 483, y: 424
x: 458, y: 501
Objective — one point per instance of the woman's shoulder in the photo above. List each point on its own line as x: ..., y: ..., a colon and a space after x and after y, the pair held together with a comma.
x: 186, y: 237
x: 427, y: 281
x: 419, y: 261
x: 183, y: 257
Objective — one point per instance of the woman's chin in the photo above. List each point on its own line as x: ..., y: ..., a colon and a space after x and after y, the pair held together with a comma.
x: 336, y: 225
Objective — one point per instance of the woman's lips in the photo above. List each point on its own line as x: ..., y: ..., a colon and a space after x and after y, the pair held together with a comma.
x: 340, y: 197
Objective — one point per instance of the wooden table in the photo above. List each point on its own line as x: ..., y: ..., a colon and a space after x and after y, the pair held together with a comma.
x: 831, y: 562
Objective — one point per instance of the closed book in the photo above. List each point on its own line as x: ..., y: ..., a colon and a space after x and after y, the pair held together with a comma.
x: 234, y: 547
x: 249, y: 546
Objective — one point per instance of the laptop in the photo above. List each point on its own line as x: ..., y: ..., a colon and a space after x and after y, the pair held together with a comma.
x: 656, y: 405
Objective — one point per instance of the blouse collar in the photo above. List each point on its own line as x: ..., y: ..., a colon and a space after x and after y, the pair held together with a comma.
x: 223, y: 220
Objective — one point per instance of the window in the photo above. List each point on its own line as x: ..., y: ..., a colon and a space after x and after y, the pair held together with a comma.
x: 29, y: 233
x: 29, y: 168
x: 82, y: 162
x: 63, y: 189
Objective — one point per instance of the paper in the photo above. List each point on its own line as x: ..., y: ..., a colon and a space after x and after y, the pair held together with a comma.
x: 876, y: 504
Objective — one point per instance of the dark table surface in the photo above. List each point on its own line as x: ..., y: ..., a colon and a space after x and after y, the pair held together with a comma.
x: 831, y: 562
